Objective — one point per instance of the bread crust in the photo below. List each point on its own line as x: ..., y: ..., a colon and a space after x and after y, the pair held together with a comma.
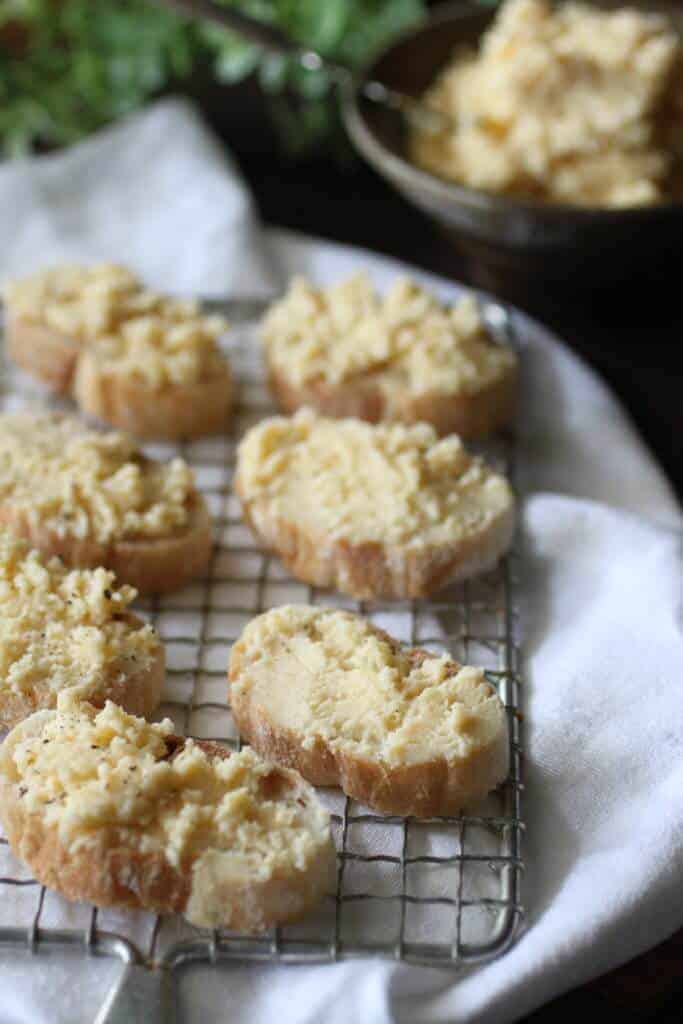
x: 174, y: 413
x: 138, y: 692
x: 117, y: 874
x: 372, y: 570
x: 475, y: 415
x: 43, y: 352
x: 150, y: 564
x: 427, y: 789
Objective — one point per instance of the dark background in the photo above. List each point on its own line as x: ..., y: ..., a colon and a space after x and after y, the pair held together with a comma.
x: 631, y: 336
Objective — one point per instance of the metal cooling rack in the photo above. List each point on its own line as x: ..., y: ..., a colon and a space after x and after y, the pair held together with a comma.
x: 442, y: 892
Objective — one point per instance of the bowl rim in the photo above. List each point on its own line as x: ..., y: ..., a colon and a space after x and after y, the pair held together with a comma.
x: 441, y: 189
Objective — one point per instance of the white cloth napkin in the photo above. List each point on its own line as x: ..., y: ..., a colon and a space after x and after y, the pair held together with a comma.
x: 156, y: 192
x: 600, y: 594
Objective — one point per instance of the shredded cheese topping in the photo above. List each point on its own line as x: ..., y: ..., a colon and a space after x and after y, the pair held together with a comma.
x: 88, y: 484
x: 80, y: 302
x: 566, y: 103
x: 130, y: 330
x: 407, y: 339
x: 389, y: 483
x: 331, y: 676
x: 61, y: 629
x: 88, y: 772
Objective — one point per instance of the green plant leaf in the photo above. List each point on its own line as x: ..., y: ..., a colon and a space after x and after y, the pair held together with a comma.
x: 68, y: 66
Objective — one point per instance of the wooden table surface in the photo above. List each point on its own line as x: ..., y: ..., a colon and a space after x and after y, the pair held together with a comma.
x: 632, y: 338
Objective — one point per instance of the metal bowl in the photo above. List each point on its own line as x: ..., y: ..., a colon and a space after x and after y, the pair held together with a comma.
x: 509, y: 245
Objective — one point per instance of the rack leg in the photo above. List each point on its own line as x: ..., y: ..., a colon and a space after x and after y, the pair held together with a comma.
x: 142, y: 996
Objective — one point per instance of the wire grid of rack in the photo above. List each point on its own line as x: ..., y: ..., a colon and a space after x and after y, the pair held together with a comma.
x: 443, y: 892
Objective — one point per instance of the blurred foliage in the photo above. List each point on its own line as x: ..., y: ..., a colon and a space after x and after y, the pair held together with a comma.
x: 69, y: 66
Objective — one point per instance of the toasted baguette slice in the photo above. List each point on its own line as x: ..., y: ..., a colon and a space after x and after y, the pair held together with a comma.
x: 402, y: 731
x: 94, y: 500
x: 136, y: 359
x: 42, y: 351
x: 106, y: 807
x: 152, y: 565
x: 52, y: 314
x: 173, y: 412
x: 70, y: 630
x: 374, y: 511
x: 401, y: 357
x: 471, y: 416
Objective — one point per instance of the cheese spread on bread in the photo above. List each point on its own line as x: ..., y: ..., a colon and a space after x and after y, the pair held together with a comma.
x: 87, y: 771
x: 389, y: 483
x: 63, y: 628
x: 406, y: 339
x: 87, y: 484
